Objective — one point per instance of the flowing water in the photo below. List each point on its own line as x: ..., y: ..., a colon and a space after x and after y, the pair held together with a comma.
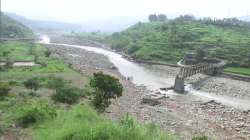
x: 145, y: 76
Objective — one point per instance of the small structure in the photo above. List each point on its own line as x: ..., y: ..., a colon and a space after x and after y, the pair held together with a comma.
x: 190, y: 58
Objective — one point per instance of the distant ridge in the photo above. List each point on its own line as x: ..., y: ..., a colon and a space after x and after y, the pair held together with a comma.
x: 11, y: 28
x: 42, y: 25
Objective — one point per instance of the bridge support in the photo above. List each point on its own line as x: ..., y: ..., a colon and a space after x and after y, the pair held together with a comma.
x: 179, y: 85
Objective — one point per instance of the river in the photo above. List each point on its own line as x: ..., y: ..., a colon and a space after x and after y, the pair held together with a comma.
x: 153, y: 81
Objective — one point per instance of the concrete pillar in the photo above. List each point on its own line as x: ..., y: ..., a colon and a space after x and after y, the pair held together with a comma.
x: 179, y: 85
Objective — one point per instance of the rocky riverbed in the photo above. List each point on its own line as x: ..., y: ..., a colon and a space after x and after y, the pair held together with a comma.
x: 178, y: 114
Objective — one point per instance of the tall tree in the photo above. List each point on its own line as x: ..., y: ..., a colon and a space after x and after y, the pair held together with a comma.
x: 162, y: 17
x: 106, y: 87
x: 152, y: 17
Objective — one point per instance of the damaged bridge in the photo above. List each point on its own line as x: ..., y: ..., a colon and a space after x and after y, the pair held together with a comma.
x: 208, y: 66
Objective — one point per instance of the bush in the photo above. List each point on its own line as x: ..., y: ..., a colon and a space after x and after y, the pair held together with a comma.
x: 9, y: 64
x: 200, y: 138
x: 67, y: 95
x: 56, y: 83
x: 34, y: 113
x: 106, y: 87
x: 32, y: 84
x: 4, y: 89
x: 47, y: 53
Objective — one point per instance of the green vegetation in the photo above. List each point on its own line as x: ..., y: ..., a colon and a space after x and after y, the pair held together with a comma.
x: 200, y: 138
x: 83, y: 123
x: 68, y: 95
x: 238, y: 70
x: 4, y: 89
x: 35, y: 112
x: 167, y: 41
x: 106, y: 87
x: 39, y: 118
x: 13, y: 29
x: 32, y: 84
x: 94, y: 36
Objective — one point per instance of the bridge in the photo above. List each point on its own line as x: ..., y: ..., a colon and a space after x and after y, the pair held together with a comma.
x: 208, y: 66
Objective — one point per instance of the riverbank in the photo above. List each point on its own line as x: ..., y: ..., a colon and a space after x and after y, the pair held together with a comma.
x: 177, y: 113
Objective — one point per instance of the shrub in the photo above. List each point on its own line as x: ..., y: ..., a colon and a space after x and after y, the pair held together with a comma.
x: 36, y: 59
x: 47, y: 53
x: 9, y: 64
x: 4, y: 89
x: 34, y: 113
x: 200, y: 138
x: 32, y: 84
x: 67, y: 95
x: 56, y: 83
x: 127, y: 121
x: 106, y: 87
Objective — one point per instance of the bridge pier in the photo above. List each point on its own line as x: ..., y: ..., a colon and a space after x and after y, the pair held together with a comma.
x: 179, y: 85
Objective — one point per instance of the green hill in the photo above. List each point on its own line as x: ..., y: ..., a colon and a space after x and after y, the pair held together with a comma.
x: 12, y: 28
x: 167, y: 41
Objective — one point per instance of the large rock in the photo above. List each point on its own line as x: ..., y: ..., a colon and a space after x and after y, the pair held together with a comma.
x: 152, y: 99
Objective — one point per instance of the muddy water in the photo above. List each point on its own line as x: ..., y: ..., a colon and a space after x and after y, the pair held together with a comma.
x: 153, y: 81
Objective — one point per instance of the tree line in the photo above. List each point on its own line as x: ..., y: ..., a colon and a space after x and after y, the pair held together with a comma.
x: 155, y: 18
x: 207, y: 20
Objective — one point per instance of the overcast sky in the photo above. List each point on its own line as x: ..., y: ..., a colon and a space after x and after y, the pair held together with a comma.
x: 85, y: 10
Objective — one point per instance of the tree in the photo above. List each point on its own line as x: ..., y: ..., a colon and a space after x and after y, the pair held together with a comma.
x: 152, y: 18
x: 32, y: 84
x: 4, y: 89
x: 106, y: 87
x: 162, y: 17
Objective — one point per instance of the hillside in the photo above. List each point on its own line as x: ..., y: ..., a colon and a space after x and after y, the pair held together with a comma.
x: 12, y: 28
x: 167, y: 41
x: 40, y: 25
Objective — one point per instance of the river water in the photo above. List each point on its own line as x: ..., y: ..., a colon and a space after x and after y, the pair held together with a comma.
x: 153, y: 81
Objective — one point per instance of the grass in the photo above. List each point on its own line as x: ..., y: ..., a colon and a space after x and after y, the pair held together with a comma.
x: 19, y: 51
x: 238, y: 70
x: 82, y: 123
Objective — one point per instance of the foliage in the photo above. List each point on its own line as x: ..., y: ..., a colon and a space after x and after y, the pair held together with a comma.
x: 12, y: 28
x: 200, y: 54
x: 4, y: 89
x: 200, y: 138
x: 168, y: 41
x: 67, y: 95
x: 9, y: 64
x: 238, y: 70
x: 155, y: 18
x: 32, y: 84
x: 128, y: 121
x: 47, y: 53
x: 106, y: 88
x: 35, y: 112
x: 83, y: 123
x: 56, y: 82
